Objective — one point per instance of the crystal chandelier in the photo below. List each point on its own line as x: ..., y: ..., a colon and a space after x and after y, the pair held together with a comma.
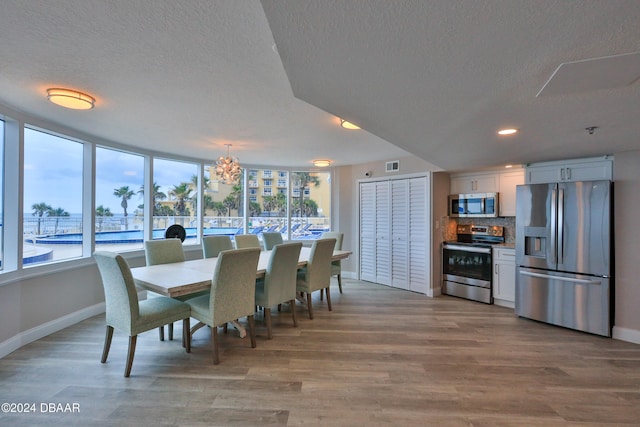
x: 227, y: 168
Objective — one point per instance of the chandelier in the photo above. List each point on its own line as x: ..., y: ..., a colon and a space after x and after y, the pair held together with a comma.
x: 227, y: 168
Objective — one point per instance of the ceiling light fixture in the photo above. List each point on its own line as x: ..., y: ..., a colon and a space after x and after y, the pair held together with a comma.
x: 227, y: 169
x: 507, y: 131
x: 321, y: 163
x: 70, y: 99
x: 348, y: 125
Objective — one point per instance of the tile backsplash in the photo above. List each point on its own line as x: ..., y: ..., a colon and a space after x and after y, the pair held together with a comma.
x: 508, y: 222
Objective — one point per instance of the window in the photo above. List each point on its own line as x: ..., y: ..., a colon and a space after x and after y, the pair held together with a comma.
x: 267, y: 183
x: 119, y: 200
x: 310, y: 214
x: 1, y: 198
x: 175, y: 187
x: 52, y: 226
x: 224, y: 209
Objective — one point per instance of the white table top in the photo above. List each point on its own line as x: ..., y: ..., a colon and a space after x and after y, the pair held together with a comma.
x: 183, y: 278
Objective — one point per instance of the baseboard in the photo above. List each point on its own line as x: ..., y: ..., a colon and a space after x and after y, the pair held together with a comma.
x: 626, y: 334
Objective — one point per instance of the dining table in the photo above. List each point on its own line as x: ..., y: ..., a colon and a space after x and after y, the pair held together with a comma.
x: 187, y: 277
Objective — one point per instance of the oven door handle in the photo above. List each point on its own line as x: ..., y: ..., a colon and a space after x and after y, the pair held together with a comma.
x: 467, y: 248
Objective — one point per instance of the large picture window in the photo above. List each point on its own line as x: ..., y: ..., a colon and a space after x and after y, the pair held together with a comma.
x: 119, y: 213
x: 1, y: 198
x: 223, y: 206
x: 52, y: 224
x: 310, y: 204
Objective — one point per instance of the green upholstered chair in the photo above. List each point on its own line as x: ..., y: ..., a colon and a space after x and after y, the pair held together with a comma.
x: 164, y: 252
x: 213, y: 245
x: 317, y: 274
x: 270, y: 239
x: 279, y: 283
x: 247, y: 241
x: 126, y: 313
x: 232, y: 294
x: 336, y: 268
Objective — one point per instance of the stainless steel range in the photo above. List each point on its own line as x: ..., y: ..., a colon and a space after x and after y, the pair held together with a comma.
x: 467, y: 262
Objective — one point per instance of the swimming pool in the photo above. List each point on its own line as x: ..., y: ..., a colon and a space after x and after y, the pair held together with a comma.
x: 129, y: 236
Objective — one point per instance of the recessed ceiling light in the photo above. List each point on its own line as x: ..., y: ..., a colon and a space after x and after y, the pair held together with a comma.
x: 508, y: 166
x: 70, y: 99
x: 348, y: 125
x: 507, y: 131
x: 321, y: 163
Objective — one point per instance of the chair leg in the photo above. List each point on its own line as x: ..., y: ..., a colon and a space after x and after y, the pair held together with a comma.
x: 170, y: 329
x: 186, y: 334
x: 321, y: 294
x: 328, y: 298
x: 161, y: 333
x: 292, y: 303
x: 252, y: 331
x: 107, y: 343
x: 267, y: 320
x: 214, y: 343
x: 132, y: 350
x: 340, y: 282
x: 309, y: 307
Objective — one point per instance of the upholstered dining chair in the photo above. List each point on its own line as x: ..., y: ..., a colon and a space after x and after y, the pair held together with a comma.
x: 213, y: 245
x: 126, y: 313
x: 336, y: 267
x: 270, y: 239
x: 279, y: 283
x: 164, y: 252
x: 232, y: 294
x: 247, y: 241
x: 317, y: 274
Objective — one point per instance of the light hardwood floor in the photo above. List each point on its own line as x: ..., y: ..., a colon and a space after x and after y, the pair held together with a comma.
x: 382, y: 357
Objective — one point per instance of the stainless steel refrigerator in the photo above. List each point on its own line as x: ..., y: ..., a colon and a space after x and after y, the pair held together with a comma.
x: 564, y: 256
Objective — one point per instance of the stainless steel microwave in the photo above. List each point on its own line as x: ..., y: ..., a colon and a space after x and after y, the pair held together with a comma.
x: 476, y: 205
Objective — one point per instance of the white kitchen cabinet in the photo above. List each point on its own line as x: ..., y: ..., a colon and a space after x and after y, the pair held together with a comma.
x: 507, y: 191
x: 504, y: 277
x: 476, y: 183
x: 592, y: 169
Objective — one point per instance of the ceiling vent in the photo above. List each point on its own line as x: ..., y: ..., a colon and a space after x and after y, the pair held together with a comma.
x: 393, y: 166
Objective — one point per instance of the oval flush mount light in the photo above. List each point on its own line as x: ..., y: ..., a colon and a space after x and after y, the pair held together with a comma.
x: 321, y: 163
x: 70, y: 99
x: 348, y: 125
x: 509, y: 131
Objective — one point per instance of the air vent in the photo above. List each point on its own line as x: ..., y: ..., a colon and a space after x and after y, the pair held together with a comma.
x: 393, y: 166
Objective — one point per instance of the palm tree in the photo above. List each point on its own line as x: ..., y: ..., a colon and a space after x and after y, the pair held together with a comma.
x: 182, y: 193
x: 125, y: 194
x: 303, y: 179
x: 39, y: 209
x: 157, y: 196
x: 205, y: 185
x: 102, y: 212
x: 254, y: 209
x: 57, y: 213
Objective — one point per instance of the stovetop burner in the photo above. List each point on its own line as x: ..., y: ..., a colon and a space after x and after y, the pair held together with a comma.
x: 480, y: 235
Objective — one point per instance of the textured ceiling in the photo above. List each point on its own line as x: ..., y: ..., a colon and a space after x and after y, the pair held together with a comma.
x: 434, y: 78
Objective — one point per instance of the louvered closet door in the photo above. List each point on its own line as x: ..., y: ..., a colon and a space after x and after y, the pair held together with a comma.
x: 383, y: 255
x: 418, y: 206
x: 368, y: 231
x: 400, y: 233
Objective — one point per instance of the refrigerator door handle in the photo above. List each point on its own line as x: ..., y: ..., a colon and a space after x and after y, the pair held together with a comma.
x: 564, y: 279
x: 554, y: 220
x: 560, y: 247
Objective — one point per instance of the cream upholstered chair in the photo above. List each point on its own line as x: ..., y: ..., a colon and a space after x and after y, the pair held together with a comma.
x: 317, y: 274
x: 232, y: 294
x: 213, y: 245
x: 164, y: 252
x: 126, y: 313
x: 279, y: 283
x: 247, y: 241
x: 336, y: 268
x: 270, y: 239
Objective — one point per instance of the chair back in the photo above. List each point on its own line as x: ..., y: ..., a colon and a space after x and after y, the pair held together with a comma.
x: 280, y: 276
x: 213, y: 245
x: 247, y: 241
x: 163, y: 251
x: 318, y: 271
x: 270, y: 239
x: 233, y: 285
x: 334, y: 235
x: 121, y: 297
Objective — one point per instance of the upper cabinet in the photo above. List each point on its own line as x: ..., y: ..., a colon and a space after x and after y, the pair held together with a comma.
x: 592, y: 169
x: 502, y: 182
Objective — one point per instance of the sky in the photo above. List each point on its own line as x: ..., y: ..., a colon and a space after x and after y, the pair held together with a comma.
x: 53, y: 174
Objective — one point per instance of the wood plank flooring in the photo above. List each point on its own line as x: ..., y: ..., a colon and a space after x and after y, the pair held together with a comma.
x: 382, y: 357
